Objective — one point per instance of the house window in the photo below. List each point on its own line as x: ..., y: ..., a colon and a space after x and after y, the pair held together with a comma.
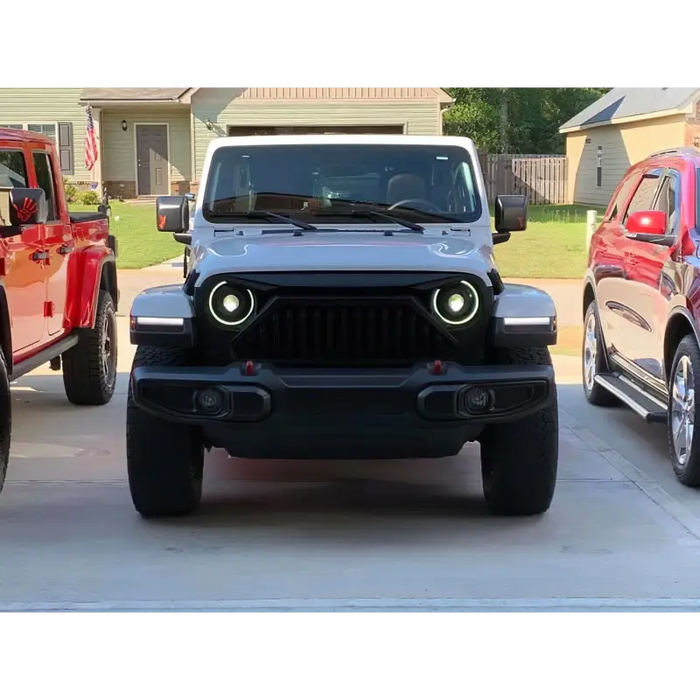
x: 61, y: 133
x: 599, y: 168
x: 49, y: 130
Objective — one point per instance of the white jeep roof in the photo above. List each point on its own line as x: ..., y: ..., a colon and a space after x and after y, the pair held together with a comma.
x: 358, y: 139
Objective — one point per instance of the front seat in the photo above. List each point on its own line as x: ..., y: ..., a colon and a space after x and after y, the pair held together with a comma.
x: 405, y: 186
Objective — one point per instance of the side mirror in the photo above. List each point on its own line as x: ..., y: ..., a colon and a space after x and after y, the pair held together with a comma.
x: 510, y: 213
x: 173, y: 214
x: 28, y: 207
x: 647, y: 226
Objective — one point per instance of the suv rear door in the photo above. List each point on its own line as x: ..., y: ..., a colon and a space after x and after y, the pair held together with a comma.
x: 21, y: 265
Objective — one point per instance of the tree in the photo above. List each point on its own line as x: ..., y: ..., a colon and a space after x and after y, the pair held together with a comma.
x: 516, y: 120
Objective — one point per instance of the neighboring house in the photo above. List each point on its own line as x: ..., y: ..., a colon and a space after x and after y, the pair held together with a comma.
x: 153, y: 140
x: 622, y: 128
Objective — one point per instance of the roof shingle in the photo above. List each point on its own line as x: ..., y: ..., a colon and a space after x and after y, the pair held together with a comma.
x: 138, y: 94
x: 620, y: 103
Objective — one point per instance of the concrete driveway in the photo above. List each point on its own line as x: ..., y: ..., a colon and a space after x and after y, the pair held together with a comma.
x: 621, y: 534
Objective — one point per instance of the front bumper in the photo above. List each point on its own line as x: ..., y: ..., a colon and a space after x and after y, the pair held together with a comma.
x: 267, y: 409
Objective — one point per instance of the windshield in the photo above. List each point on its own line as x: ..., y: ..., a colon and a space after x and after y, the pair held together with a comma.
x: 311, y: 182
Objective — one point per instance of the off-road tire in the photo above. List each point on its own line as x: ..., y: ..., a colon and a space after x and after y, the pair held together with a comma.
x: 5, y: 420
x: 90, y: 367
x: 519, y: 459
x: 164, y: 460
x: 688, y: 473
x: 596, y: 395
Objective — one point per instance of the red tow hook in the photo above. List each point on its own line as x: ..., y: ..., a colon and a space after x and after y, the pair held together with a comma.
x: 250, y: 369
x: 437, y: 367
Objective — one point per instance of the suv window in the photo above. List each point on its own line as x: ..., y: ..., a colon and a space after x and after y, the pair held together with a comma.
x: 621, y: 199
x: 13, y: 173
x: 669, y: 199
x: 44, y: 178
x: 644, y: 196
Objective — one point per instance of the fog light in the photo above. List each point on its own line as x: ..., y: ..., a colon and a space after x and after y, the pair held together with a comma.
x: 478, y: 400
x: 209, y: 400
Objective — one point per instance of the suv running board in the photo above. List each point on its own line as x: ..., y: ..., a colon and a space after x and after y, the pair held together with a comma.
x: 644, y: 404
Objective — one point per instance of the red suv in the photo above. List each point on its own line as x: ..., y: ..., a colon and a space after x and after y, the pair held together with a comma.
x: 641, y: 302
x: 58, y: 281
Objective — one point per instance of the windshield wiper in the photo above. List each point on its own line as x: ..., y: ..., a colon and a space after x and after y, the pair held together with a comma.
x: 376, y: 213
x: 272, y: 216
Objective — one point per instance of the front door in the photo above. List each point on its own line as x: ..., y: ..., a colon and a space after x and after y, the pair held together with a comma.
x: 638, y: 336
x: 21, y: 262
x: 152, y: 166
x: 652, y: 269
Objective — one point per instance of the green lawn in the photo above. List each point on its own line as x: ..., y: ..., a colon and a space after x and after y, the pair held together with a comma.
x: 140, y: 242
x: 553, y: 246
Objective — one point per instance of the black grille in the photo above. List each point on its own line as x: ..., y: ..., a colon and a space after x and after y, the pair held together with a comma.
x: 343, y: 333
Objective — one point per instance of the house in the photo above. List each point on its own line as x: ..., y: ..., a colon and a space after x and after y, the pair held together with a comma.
x: 622, y: 128
x: 153, y: 141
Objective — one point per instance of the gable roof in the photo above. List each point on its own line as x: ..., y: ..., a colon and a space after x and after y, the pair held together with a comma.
x: 626, y: 104
x: 132, y: 94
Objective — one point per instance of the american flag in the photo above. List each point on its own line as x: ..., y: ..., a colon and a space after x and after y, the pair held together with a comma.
x: 90, y: 141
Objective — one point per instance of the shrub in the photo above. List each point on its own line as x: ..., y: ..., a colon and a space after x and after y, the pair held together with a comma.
x: 70, y: 190
x: 90, y: 198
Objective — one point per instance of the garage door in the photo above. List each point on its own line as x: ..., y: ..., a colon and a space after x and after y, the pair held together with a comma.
x: 288, y: 130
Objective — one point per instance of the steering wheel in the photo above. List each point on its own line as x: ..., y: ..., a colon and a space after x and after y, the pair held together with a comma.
x: 431, y: 206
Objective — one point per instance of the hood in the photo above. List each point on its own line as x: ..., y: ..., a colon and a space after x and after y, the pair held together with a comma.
x: 322, y: 252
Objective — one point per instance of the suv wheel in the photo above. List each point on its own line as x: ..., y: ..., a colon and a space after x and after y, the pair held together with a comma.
x: 684, y: 384
x: 164, y: 460
x: 5, y: 420
x: 593, y: 360
x: 519, y: 460
x: 90, y: 367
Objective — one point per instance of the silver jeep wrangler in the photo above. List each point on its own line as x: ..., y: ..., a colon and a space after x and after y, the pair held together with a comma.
x: 342, y: 302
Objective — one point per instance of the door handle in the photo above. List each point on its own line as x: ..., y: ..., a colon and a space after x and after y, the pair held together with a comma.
x: 65, y: 249
x: 39, y: 255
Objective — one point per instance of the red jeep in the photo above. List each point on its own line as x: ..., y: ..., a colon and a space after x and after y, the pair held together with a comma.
x: 641, y: 302
x: 58, y: 281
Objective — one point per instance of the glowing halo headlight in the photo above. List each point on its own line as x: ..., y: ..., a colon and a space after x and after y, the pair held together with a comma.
x: 229, y: 305
x: 457, y: 304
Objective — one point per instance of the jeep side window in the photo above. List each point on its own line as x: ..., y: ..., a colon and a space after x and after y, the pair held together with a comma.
x: 13, y: 173
x: 44, y: 177
x: 668, y: 200
x: 644, y: 195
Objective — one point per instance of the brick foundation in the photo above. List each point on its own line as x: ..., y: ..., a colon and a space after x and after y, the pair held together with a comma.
x: 180, y: 187
x: 114, y: 189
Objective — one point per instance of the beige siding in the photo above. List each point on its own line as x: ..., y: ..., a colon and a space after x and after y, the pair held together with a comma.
x: 223, y: 108
x: 49, y: 105
x: 623, y: 145
x: 119, y: 146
